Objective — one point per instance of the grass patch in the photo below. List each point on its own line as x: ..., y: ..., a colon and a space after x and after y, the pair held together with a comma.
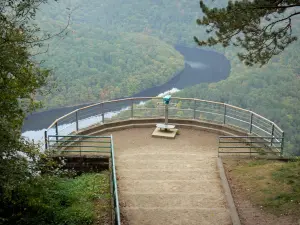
x: 271, y: 185
x: 261, y: 151
x: 80, y: 195
x: 72, y: 201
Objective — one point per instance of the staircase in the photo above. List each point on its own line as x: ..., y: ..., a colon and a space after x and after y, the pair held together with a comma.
x: 170, y: 181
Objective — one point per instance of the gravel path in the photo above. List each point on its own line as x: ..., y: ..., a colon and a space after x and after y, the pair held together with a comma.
x: 169, y: 181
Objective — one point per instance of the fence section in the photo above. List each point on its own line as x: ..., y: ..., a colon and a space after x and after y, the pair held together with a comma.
x: 150, y: 107
x: 252, y: 145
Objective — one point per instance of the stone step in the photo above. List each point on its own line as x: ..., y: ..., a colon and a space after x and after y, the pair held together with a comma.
x: 172, y: 200
x: 176, y: 216
x: 151, y: 149
x: 166, y: 164
x: 167, y: 175
x: 158, y: 186
x: 162, y: 156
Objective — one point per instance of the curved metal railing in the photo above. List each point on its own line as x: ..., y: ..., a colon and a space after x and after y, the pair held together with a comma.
x: 185, y: 108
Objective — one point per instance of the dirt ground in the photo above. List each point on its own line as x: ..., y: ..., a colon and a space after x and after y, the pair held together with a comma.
x: 169, y: 181
x: 249, y: 213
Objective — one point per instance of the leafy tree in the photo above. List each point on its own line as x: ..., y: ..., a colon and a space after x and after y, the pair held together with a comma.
x: 20, y: 78
x: 262, y: 28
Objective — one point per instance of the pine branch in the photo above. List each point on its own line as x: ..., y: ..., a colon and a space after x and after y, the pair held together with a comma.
x: 281, y: 20
x: 276, y: 6
x: 239, y: 24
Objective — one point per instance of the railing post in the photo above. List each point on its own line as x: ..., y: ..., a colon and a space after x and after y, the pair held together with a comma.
x: 46, y: 140
x: 77, y: 125
x: 251, y: 121
x: 194, y: 108
x: 56, y: 131
x: 80, y: 148
x: 131, y: 116
x: 272, y: 133
x: 219, y: 148
x: 224, y: 121
x: 102, y: 114
x: 282, y: 144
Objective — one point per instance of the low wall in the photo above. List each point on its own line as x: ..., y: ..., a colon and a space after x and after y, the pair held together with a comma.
x: 84, y: 163
x: 150, y: 122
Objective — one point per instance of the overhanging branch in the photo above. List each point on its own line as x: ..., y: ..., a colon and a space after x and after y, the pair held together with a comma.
x: 281, y: 20
x: 275, y: 6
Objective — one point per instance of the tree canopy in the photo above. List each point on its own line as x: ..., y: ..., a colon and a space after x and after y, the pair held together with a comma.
x: 20, y: 79
x: 118, y: 65
x: 262, y: 28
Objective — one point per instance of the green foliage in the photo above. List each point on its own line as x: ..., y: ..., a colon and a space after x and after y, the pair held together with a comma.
x: 20, y: 78
x: 257, y: 162
x: 86, y: 70
x: 171, y: 21
x: 262, y: 28
x: 58, y: 200
x: 288, y: 174
x: 270, y: 185
x: 114, y: 48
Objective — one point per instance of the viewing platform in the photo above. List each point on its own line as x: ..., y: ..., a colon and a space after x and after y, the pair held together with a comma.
x: 166, y: 181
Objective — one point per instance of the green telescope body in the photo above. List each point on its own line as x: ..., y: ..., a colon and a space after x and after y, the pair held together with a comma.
x: 167, y: 99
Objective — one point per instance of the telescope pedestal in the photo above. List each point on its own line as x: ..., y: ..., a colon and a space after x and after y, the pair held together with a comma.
x: 165, y: 130
x: 165, y: 133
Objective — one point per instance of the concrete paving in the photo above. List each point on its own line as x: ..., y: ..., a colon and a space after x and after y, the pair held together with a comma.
x: 169, y: 181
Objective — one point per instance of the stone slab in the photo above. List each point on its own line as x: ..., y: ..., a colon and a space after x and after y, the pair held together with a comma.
x: 171, y: 133
x: 164, y: 126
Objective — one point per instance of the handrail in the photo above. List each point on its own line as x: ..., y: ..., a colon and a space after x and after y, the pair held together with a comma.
x: 197, y: 109
x: 251, y: 142
x: 115, y: 185
x: 177, y: 98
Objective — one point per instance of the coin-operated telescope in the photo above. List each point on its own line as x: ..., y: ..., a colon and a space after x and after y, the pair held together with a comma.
x: 165, y: 129
x: 167, y: 99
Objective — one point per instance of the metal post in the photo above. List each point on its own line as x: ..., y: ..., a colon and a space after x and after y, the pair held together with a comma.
x: 272, y: 134
x: 251, y: 121
x: 46, y: 140
x: 282, y: 144
x: 77, y: 125
x: 166, y: 114
x: 224, y: 114
x: 56, y: 131
x: 219, y: 148
x: 131, y: 109
x: 80, y: 148
x: 102, y: 106
x: 194, y: 108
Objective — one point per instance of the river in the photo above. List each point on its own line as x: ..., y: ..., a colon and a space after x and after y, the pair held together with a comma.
x: 201, y: 66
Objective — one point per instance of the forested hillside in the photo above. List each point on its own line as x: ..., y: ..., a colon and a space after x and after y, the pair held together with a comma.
x: 111, y: 42
x: 172, y: 21
x: 92, y: 65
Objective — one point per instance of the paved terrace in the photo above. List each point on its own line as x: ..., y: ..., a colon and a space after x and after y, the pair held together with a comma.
x: 169, y: 181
